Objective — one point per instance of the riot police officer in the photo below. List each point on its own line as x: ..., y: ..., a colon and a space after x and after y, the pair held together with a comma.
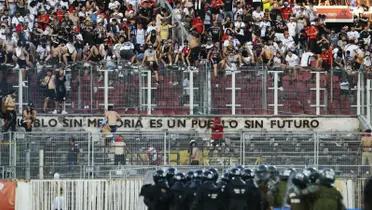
x: 209, y: 195
x: 296, y: 200
x: 273, y: 187
x: 236, y: 191
x: 170, y: 176
x: 192, y: 188
x: 261, y: 180
x: 157, y: 195
x: 254, y: 200
x: 178, y: 193
x: 280, y: 195
x: 327, y: 197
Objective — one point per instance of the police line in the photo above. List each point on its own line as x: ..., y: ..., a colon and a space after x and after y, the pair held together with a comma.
x: 148, y: 123
x: 121, y: 194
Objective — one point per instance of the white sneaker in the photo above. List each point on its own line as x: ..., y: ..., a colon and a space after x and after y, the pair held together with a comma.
x: 64, y: 112
x: 54, y: 112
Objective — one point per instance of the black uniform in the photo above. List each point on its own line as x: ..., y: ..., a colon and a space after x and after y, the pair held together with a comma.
x: 191, y: 191
x: 178, y: 196
x: 157, y: 196
x: 237, y: 194
x: 254, y: 199
x: 208, y: 197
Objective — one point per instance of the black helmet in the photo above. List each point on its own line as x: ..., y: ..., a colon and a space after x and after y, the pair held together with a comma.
x: 180, y: 177
x: 225, y: 177
x: 215, y: 173
x: 171, y: 172
x: 208, y: 175
x: 300, y: 180
x: 189, y: 175
x: 198, y: 174
x: 312, y: 174
x: 247, y: 173
x: 327, y: 177
x: 273, y: 171
x: 159, y: 176
x: 262, y: 173
x: 287, y: 173
x: 235, y: 172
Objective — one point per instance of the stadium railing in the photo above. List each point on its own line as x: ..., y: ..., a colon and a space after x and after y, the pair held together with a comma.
x: 42, y: 154
x: 250, y: 90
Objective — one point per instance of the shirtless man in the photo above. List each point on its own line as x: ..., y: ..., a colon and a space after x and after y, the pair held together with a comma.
x: 151, y: 61
x: 49, y: 83
x: 28, y: 117
x: 267, y: 54
x: 367, y: 150
x: 112, y: 118
x: 8, y: 109
x: 194, y: 44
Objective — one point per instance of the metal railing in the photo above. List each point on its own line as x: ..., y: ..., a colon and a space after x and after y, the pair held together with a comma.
x: 94, y: 155
x: 247, y: 90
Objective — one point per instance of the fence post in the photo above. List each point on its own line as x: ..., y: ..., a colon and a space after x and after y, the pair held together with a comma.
x: 276, y: 88
x: 368, y: 103
x: 106, y: 87
x: 191, y: 89
x: 41, y: 164
x: 359, y: 93
x: 165, y: 149
x: 20, y: 91
x: 233, y: 89
x: 27, y: 169
x: 149, y: 90
x: 317, y: 92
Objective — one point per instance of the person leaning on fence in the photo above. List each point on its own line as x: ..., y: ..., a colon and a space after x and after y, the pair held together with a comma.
x: 112, y: 118
x: 367, y: 149
x: 28, y: 117
x: 8, y: 106
x: 195, y: 153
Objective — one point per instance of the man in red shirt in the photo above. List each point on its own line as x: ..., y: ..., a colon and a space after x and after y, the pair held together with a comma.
x: 197, y: 24
x: 286, y: 11
x: 312, y: 35
x: 217, y: 132
x: 327, y: 58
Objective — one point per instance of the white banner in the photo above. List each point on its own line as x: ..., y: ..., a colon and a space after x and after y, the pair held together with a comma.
x: 205, y: 123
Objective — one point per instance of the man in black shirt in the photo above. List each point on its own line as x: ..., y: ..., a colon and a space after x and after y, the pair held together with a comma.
x: 215, y: 31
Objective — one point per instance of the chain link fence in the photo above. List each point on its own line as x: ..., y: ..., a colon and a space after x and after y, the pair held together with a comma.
x: 95, y: 155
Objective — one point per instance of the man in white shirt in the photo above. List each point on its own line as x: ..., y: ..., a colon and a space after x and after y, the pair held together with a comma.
x: 257, y: 15
x: 292, y: 24
x: 288, y: 41
x: 140, y: 35
x: 291, y: 59
x: 264, y: 24
x: 353, y: 34
x: 305, y: 58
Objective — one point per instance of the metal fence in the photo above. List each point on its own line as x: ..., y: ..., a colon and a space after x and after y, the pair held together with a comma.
x: 257, y: 90
x: 122, y: 191
x: 94, y: 155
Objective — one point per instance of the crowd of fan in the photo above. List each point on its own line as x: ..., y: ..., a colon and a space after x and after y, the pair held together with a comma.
x: 228, y: 33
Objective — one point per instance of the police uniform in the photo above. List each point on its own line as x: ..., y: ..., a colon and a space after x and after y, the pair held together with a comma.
x: 328, y: 198
x: 156, y: 197
x: 208, y: 197
x: 178, y: 196
x: 237, y: 194
x: 279, y: 195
